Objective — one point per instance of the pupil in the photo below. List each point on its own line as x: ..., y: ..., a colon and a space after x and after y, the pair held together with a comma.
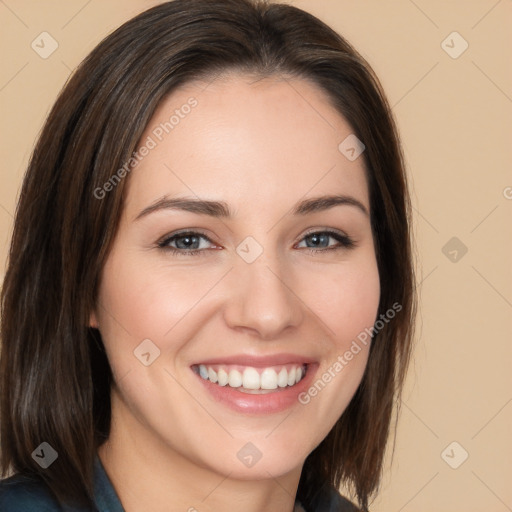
x: 317, y: 239
x: 186, y: 241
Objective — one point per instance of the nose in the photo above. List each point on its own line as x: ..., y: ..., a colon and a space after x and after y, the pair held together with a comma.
x: 262, y: 299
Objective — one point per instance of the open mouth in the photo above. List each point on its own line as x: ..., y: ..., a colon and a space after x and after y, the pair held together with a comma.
x: 253, y: 380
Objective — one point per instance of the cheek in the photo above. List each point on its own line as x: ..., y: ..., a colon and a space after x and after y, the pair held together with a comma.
x: 348, y: 305
x: 141, y: 301
x: 347, y: 299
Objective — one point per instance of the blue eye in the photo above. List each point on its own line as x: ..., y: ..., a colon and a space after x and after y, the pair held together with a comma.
x: 321, y: 239
x: 189, y: 243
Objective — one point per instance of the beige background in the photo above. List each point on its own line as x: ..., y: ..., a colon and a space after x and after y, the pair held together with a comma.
x: 455, y: 116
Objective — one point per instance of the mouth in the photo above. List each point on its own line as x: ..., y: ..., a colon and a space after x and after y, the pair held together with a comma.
x: 257, y: 385
x: 250, y: 379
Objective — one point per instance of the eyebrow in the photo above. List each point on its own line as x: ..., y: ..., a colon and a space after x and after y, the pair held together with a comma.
x: 221, y: 209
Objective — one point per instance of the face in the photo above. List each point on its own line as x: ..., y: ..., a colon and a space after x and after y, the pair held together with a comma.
x: 233, y: 293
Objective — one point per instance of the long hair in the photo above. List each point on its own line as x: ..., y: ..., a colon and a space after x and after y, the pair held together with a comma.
x: 55, y: 377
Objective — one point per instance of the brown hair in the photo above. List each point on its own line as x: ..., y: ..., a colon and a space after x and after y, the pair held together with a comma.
x: 55, y: 377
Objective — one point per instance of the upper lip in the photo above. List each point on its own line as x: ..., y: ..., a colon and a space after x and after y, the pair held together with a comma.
x: 258, y: 361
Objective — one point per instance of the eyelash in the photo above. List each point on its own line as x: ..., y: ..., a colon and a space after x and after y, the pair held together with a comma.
x: 345, y: 242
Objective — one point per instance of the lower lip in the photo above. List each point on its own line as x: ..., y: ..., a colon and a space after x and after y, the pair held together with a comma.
x: 266, y: 403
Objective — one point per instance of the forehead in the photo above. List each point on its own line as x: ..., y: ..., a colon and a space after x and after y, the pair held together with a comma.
x: 245, y: 138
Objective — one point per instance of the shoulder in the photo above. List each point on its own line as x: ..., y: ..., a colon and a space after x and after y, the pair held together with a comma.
x: 340, y: 504
x: 343, y: 505
x: 26, y: 494
x: 330, y: 500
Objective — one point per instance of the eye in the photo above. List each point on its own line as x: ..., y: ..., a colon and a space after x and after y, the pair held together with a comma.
x: 318, y: 241
x: 190, y: 243
x: 186, y: 243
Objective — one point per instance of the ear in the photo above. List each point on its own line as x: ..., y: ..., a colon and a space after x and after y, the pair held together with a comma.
x: 93, y: 321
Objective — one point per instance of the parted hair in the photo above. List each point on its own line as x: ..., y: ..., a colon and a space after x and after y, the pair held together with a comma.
x: 55, y: 376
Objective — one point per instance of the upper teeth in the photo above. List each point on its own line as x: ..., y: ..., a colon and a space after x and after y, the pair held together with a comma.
x: 253, y: 378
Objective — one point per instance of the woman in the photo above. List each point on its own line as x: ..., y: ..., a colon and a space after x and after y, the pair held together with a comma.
x: 209, y: 298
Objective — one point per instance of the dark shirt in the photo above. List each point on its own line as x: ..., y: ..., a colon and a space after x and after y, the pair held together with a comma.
x: 26, y: 494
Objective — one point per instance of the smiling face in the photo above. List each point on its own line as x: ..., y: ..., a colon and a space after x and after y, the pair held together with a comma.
x: 245, y: 284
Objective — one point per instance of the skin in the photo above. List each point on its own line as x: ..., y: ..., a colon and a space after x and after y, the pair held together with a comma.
x: 260, y: 145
